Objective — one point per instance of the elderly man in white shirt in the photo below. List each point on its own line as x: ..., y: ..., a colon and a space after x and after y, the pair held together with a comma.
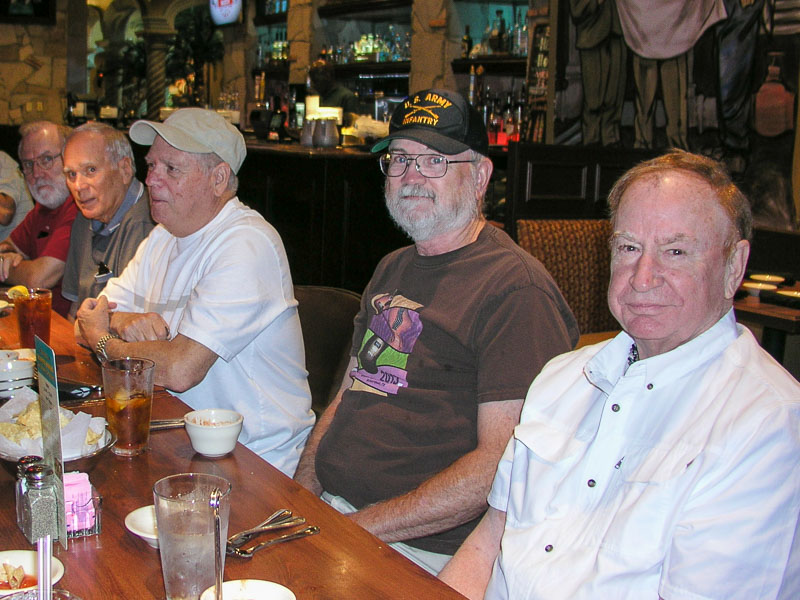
x: 663, y: 463
x: 208, y: 295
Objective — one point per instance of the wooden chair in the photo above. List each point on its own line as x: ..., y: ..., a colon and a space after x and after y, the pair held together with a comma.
x: 576, y: 253
x: 326, y: 318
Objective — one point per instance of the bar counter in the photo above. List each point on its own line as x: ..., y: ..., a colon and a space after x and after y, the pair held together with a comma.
x: 342, y: 561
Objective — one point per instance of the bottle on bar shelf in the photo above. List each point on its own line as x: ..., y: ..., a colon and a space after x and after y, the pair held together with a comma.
x: 466, y: 43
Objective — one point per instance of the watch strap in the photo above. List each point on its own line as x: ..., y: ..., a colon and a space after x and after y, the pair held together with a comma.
x: 100, y: 348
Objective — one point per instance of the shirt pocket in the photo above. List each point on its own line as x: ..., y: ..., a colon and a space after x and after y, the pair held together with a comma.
x: 544, y: 457
x: 653, y: 488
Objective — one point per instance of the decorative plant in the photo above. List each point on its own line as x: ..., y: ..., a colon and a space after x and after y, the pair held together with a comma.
x: 133, y: 62
x: 198, y: 43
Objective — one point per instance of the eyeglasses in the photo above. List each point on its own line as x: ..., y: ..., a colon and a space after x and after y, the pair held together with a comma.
x: 427, y: 165
x: 45, y: 162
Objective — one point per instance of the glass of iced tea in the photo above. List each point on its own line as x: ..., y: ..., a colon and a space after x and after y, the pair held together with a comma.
x: 128, y: 388
x: 33, y: 316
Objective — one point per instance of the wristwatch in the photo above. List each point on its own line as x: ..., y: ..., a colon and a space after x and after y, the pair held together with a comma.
x: 100, y: 348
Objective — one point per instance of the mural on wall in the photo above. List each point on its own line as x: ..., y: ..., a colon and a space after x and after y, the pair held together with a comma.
x: 712, y: 76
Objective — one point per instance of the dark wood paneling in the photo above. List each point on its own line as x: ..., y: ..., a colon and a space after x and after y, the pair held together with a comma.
x: 563, y: 182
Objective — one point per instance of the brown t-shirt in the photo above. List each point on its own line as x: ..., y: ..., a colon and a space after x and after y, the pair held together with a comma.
x: 435, y: 337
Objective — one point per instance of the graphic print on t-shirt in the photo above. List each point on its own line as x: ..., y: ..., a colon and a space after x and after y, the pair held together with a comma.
x: 393, y: 330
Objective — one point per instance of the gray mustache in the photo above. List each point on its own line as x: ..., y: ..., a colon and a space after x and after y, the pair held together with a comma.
x: 415, y: 189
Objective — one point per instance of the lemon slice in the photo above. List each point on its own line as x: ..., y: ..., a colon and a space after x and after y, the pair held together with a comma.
x: 18, y: 291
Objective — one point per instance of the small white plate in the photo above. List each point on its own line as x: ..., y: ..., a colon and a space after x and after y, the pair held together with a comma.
x: 27, y: 560
x: 4, y: 304
x: 142, y: 522
x: 247, y: 589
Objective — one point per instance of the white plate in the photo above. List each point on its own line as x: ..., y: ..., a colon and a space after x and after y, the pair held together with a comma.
x: 789, y: 293
x: 27, y: 560
x: 4, y: 304
x: 248, y: 589
x: 142, y: 522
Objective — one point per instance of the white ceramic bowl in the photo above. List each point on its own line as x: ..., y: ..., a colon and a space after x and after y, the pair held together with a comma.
x: 27, y: 560
x: 142, y: 522
x: 14, y: 374
x: 250, y: 589
x: 213, y: 431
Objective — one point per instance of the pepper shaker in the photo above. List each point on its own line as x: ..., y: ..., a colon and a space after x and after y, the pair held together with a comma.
x: 40, y: 503
x: 20, y: 486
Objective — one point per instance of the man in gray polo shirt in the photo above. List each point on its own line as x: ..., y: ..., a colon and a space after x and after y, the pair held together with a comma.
x: 114, y: 210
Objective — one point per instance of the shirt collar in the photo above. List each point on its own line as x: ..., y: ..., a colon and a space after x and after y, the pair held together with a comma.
x: 133, y: 194
x: 611, y: 363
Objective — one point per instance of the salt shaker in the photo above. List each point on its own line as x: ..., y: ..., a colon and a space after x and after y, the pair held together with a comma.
x: 40, y: 503
x: 20, y: 487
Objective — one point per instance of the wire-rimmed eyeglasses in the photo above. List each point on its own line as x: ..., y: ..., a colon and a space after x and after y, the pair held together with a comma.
x: 45, y: 162
x: 427, y: 165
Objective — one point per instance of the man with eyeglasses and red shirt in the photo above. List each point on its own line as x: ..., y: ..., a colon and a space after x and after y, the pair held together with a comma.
x: 450, y: 334
x: 35, y: 253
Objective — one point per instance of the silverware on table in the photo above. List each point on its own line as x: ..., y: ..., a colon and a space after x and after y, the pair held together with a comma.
x: 248, y: 552
x: 277, y: 520
x: 159, y: 424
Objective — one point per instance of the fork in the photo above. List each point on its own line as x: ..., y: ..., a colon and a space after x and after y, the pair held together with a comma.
x: 248, y: 552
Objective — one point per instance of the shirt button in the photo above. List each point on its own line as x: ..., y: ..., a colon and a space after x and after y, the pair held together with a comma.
x: 649, y: 386
x: 548, y: 548
x: 615, y: 407
x: 591, y: 483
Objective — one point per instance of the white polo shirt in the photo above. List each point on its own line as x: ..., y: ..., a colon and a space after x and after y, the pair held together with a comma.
x: 679, y: 477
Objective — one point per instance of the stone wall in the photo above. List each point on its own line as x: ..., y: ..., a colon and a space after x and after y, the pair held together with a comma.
x: 33, y: 70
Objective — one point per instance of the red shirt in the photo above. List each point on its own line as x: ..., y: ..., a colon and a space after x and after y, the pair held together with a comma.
x: 45, y: 232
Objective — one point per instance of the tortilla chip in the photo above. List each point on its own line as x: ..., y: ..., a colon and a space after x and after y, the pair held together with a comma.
x: 14, y: 431
x: 92, y: 437
x: 12, y: 575
x: 28, y: 424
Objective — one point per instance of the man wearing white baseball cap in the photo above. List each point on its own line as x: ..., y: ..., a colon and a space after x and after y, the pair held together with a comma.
x: 208, y: 295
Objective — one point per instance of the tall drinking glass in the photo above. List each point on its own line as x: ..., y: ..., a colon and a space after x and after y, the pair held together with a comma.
x: 33, y: 316
x: 128, y: 387
x: 185, y: 522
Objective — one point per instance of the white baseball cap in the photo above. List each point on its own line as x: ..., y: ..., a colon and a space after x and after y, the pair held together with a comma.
x: 195, y: 130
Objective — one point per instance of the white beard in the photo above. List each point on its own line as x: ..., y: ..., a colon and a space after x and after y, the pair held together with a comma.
x: 50, y: 194
x: 442, y: 215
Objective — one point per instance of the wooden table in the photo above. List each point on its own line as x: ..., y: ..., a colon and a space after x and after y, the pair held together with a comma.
x: 343, y: 562
x: 777, y: 321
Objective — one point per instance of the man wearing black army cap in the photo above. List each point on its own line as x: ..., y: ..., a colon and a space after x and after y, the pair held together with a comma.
x: 451, y: 332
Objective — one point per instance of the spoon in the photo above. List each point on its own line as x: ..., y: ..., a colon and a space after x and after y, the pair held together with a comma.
x: 248, y: 552
x: 216, y: 494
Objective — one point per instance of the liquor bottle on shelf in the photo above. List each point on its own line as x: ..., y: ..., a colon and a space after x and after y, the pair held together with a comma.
x: 509, y: 121
x: 486, y: 48
x: 498, y: 35
x: 521, y: 35
x: 471, y: 97
x: 466, y: 43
